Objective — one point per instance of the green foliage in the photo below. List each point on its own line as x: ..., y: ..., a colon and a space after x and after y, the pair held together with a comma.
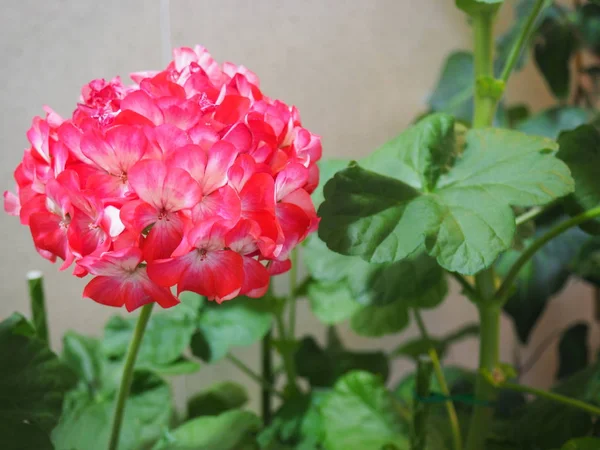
x: 323, y: 366
x: 231, y: 324
x: 359, y: 414
x: 231, y: 430
x: 586, y: 443
x: 544, y: 424
x: 454, y: 91
x: 375, y: 297
x: 573, y: 350
x: 589, y: 26
x: 465, y: 222
x: 420, y: 346
x: 580, y: 150
x: 473, y: 7
x: 33, y: 383
x: 87, y: 418
x: 542, y: 277
x: 551, y: 122
x: 218, y: 398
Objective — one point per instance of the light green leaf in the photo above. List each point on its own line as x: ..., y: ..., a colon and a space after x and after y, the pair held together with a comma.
x: 84, y: 355
x: 231, y: 430
x: 33, y: 382
x: 454, y: 91
x: 359, y: 414
x: 573, y: 350
x: 551, y: 122
x: 218, y: 398
x: 473, y: 7
x: 332, y: 302
x: 240, y: 322
x: 580, y: 150
x: 465, y: 222
x: 86, y: 422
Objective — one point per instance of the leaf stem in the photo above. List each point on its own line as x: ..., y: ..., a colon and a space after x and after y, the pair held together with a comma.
x: 127, y: 376
x: 521, y: 39
x: 252, y: 374
x: 553, y: 396
x: 529, y: 215
x: 418, y: 436
x: 288, y: 358
x: 439, y: 375
x: 504, y: 289
x: 35, y: 281
x: 468, y: 288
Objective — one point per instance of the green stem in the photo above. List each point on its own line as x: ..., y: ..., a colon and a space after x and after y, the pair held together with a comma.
x: 522, y: 38
x: 418, y: 437
x: 504, y: 289
x: 127, y: 376
x: 529, y: 215
x: 35, y: 280
x: 252, y: 374
x: 485, y: 393
x: 292, y: 296
x: 267, y: 376
x: 441, y: 379
x: 485, y: 105
x: 468, y: 288
x: 553, y: 396
x: 288, y: 358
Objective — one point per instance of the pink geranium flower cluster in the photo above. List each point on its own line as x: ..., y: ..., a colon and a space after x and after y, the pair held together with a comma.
x: 189, y: 177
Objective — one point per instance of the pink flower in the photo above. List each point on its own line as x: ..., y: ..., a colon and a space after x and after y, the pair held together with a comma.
x: 190, y: 177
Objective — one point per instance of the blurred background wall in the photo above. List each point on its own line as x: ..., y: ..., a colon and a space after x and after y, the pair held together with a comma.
x: 358, y: 71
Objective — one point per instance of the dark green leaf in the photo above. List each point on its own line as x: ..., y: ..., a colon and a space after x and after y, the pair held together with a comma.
x: 33, y: 382
x: 359, y: 414
x: 587, y: 262
x: 377, y: 320
x: 180, y: 366
x: 466, y: 222
x: 542, y: 277
x: 454, y: 91
x: 580, y: 150
x: 323, y: 366
x: 86, y: 422
x: 551, y: 122
x: 556, y: 44
x: 218, y: 398
x: 573, y: 350
x: 544, y: 424
x: 589, y: 26
x: 517, y: 114
x: 419, y: 346
x: 239, y: 322
x: 586, y: 443
x: 231, y: 430
x: 327, y: 169
x: 23, y: 436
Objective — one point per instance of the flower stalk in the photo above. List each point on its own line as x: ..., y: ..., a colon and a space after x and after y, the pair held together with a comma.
x: 127, y: 376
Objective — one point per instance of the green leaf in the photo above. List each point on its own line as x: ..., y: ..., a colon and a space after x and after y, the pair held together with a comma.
x: 181, y: 366
x: 167, y: 334
x: 454, y: 91
x: 231, y: 430
x: 359, y: 414
x: 542, y: 277
x: 473, y: 7
x: 236, y: 323
x: 297, y: 424
x: 24, y: 436
x: 332, y: 302
x: 218, y: 398
x: 377, y: 321
x: 327, y: 169
x: 573, y: 350
x: 33, y: 382
x: 323, y: 366
x: 580, y: 150
x: 589, y: 26
x: 586, y: 443
x: 544, y: 424
x: 556, y: 44
x: 419, y: 346
x: 86, y: 421
x: 518, y: 114
x: 84, y: 356
x: 551, y: 122
x: 465, y: 222
x: 586, y: 265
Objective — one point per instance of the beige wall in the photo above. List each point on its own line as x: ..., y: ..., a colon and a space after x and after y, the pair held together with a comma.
x: 358, y: 71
